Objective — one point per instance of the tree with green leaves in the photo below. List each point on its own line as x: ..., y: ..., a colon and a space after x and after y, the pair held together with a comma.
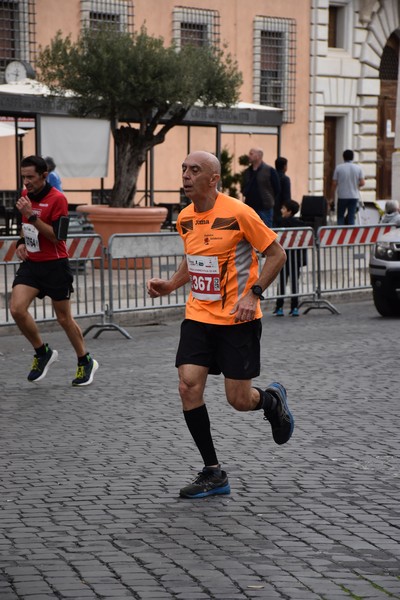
x: 229, y: 180
x: 135, y: 79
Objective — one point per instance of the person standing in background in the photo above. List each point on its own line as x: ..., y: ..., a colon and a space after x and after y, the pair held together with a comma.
x: 296, y: 259
x: 392, y: 213
x: 53, y: 177
x: 348, y: 178
x: 260, y: 186
x: 285, y: 195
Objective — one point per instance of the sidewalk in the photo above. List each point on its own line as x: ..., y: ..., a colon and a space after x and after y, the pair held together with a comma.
x: 89, y: 505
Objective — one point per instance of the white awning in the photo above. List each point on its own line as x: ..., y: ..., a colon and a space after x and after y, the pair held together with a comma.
x: 253, y: 106
x: 26, y: 86
x: 8, y: 129
x: 80, y: 147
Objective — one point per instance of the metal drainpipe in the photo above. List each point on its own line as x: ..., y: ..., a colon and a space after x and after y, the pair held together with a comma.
x: 313, y: 104
x: 152, y: 177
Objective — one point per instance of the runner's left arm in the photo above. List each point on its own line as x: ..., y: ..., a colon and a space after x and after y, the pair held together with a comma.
x: 275, y: 259
x: 245, y: 307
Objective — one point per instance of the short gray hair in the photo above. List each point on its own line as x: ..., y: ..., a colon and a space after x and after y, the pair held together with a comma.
x: 391, y: 206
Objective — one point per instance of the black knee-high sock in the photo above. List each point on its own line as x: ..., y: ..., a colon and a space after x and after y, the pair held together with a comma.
x: 198, y: 424
x: 267, y: 401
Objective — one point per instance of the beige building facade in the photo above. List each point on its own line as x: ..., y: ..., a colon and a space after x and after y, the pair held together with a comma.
x: 270, y: 41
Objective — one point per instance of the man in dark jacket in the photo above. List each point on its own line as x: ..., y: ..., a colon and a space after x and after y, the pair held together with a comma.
x: 260, y: 186
x: 281, y: 165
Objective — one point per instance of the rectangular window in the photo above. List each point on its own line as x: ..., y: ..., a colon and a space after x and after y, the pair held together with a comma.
x: 195, y: 27
x: 274, y: 75
x: 17, y: 32
x: 113, y: 14
x: 193, y: 34
x: 98, y: 20
x: 332, y: 26
x: 337, y: 25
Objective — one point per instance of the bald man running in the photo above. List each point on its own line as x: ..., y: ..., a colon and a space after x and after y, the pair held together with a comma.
x: 222, y: 327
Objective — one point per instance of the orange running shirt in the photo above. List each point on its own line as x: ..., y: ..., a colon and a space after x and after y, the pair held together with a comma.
x: 223, y: 265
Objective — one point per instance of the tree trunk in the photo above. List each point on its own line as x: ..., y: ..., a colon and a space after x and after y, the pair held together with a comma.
x: 130, y: 154
x: 131, y: 147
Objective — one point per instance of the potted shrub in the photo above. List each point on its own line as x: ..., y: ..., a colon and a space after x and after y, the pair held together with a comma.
x: 142, y: 87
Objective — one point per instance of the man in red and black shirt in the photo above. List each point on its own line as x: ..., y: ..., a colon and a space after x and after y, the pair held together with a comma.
x: 45, y: 271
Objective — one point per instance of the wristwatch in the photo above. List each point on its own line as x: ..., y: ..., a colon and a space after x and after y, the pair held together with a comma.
x: 257, y: 291
x: 32, y: 218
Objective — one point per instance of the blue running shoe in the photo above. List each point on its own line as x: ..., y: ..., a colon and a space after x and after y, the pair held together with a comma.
x: 294, y: 312
x: 278, y: 312
x: 281, y: 419
x: 207, y: 483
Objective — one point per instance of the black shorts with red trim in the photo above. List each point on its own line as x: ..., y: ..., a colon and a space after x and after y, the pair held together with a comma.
x: 233, y: 350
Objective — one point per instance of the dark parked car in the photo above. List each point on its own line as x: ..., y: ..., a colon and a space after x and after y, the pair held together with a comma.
x: 384, y: 269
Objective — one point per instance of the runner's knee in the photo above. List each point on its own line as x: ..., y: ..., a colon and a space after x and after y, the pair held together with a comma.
x: 17, y: 310
x: 239, y: 401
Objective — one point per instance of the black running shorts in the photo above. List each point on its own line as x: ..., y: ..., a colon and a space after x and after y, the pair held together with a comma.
x: 233, y: 350
x: 52, y: 278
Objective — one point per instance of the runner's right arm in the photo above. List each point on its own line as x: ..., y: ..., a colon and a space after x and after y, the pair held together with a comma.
x: 161, y: 287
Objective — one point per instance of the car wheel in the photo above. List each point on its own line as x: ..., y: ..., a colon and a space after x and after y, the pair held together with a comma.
x: 387, y: 307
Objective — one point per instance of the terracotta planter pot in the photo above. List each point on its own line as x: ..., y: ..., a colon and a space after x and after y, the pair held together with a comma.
x: 107, y: 220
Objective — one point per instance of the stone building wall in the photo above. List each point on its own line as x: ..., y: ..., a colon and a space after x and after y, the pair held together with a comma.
x: 345, y: 83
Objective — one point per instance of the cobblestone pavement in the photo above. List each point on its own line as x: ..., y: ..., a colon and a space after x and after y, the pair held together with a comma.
x: 89, y: 503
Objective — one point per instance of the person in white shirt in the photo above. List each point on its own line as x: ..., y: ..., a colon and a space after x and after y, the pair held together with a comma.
x: 348, y: 178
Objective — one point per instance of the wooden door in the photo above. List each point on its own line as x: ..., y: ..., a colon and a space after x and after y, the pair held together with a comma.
x: 329, y: 154
x: 385, y: 145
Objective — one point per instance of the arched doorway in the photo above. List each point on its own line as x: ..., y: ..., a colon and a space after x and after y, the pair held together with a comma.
x: 388, y: 73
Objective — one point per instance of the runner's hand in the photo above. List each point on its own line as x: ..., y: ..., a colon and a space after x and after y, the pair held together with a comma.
x: 245, y: 308
x: 21, y: 252
x: 158, y: 287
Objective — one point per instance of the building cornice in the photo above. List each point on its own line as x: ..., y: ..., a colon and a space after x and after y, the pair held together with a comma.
x: 367, y: 10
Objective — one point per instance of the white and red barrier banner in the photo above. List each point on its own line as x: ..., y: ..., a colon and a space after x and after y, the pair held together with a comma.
x: 7, y: 250
x: 78, y: 248
x: 351, y: 236
x: 295, y: 238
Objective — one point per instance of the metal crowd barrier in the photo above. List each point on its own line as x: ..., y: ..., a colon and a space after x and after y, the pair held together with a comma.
x: 343, y: 255
x: 113, y: 280
x: 299, y: 244
x: 132, y: 259
x: 87, y: 263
